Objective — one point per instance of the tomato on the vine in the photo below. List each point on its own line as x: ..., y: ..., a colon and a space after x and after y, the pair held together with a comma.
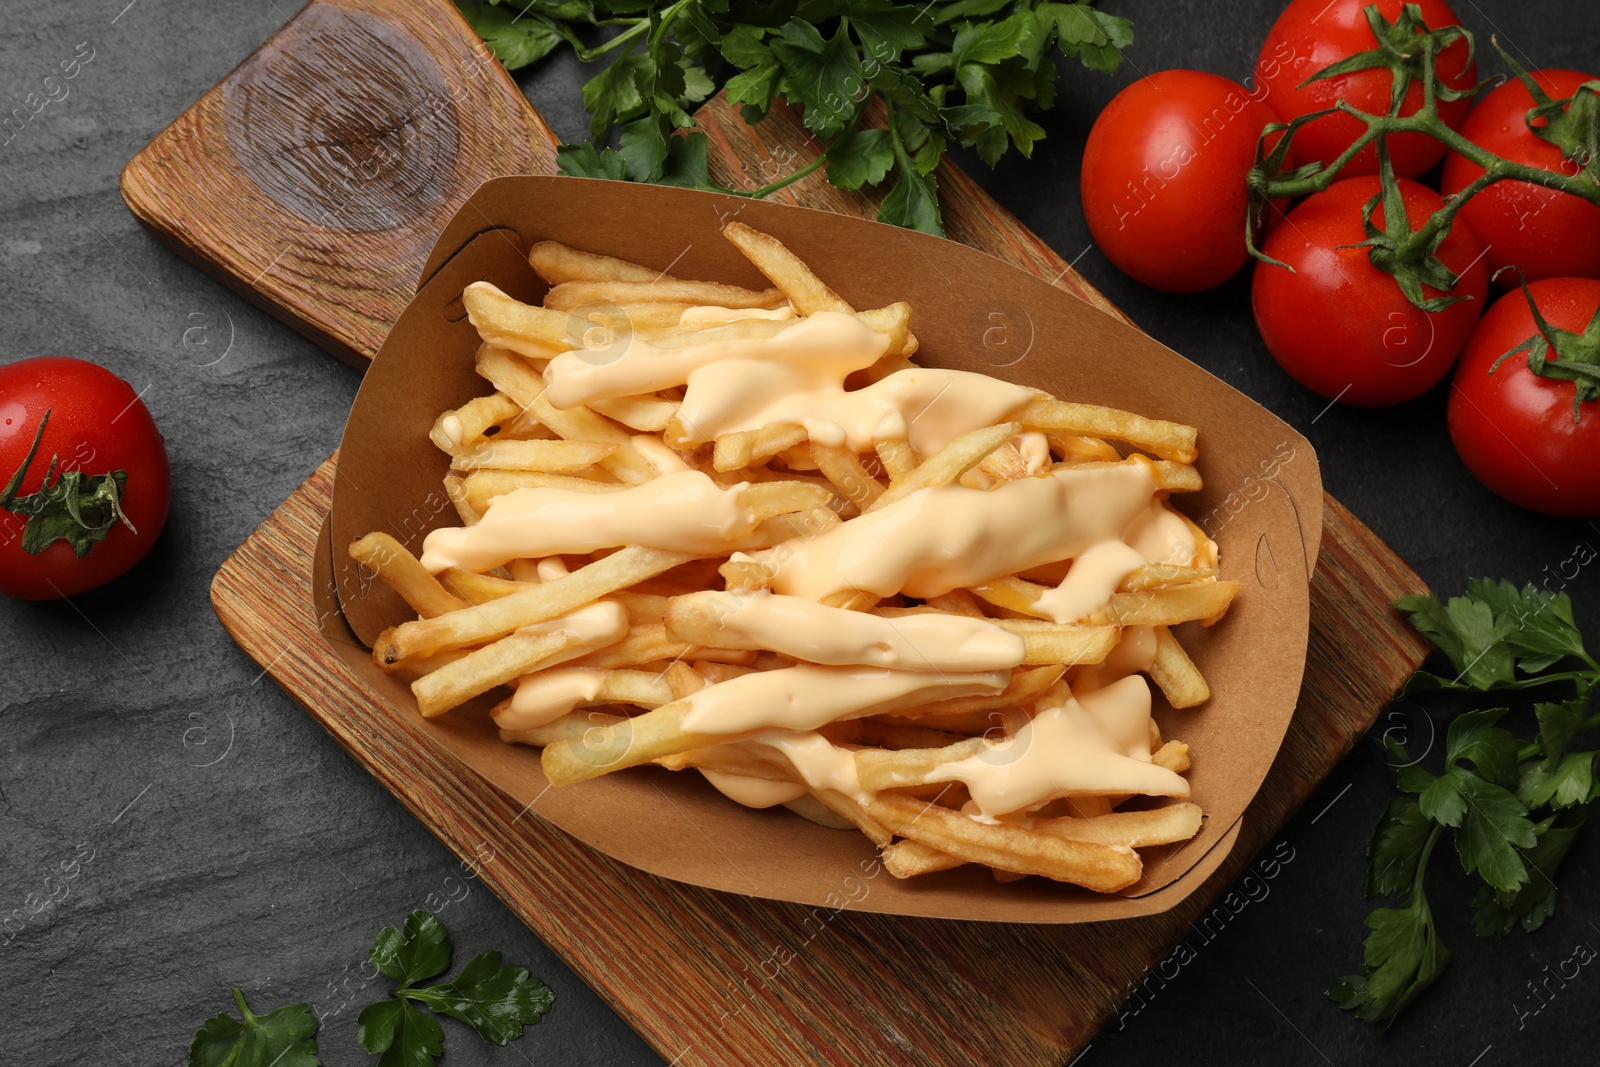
x: 1313, y: 34
x: 1543, y: 232
x: 1528, y: 438
x: 1342, y: 327
x: 85, y: 477
x: 1164, y: 178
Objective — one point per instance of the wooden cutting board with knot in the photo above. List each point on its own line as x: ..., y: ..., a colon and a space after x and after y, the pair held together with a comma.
x: 314, y: 180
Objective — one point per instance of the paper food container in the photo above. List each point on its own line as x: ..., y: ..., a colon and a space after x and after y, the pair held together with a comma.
x: 1262, y: 504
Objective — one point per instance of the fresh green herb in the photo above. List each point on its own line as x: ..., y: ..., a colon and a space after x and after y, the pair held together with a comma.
x: 922, y: 76
x: 281, y: 1038
x: 493, y: 999
x: 1512, y: 806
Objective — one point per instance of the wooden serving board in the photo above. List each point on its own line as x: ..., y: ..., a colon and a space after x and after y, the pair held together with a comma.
x: 323, y: 213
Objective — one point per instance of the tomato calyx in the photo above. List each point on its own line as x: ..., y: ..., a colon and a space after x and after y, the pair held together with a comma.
x: 77, y: 508
x: 1561, y: 354
x: 1410, y: 256
x: 1572, y: 124
x: 1405, y: 47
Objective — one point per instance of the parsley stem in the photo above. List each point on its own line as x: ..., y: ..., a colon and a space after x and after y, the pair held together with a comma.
x: 1422, y: 861
x: 786, y: 180
x: 238, y: 998
x: 627, y: 36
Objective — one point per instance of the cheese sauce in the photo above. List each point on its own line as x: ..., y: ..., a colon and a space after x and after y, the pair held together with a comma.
x: 819, y: 343
x: 684, y: 511
x: 813, y: 632
x: 806, y: 696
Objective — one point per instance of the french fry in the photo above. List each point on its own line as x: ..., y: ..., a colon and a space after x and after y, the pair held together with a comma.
x: 1130, y: 829
x: 1157, y: 575
x: 395, y: 564
x: 1168, y: 440
x: 508, y: 372
x: 746, y: 448
x: 647, y: 414
x: 808, y: 293
x: 1174, y: 756
x: 463, y: 427
x: 1103, y: 868
x: 581, y: 424
x: 1175, y: 674
x: 455, y: 488
x: 1172, y: 604
x: 509, y: 323
x: 557, y: 263
x: 478, y: 672
x: 908, y: 859
x: 544, y: 456
x: 568, y: 295
x: 572, y: 726
x: 841, y: 467
x: 898, y: 458
x: 648, y: 319
x: 485, y: 622
x: 949, y: 463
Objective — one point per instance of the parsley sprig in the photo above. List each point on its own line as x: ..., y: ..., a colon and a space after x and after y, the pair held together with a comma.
x: 889, y: 87
x: 495, y: 1000
x: 1511, y: 806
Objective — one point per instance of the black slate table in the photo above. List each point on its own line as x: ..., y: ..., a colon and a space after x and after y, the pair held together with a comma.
x: 218, y: 837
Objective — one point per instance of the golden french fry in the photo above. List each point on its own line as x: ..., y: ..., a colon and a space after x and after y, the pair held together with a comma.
x: 484, y: 622
x: 646, y: 643
x: 1174, y: 756
x: 581, y: 424
x: 395, y: 564
x: 571, y: 726
x: 568, y: 295
x: 1172, y: 604
x: 1103, y: 868
x: 746, y: 448
x: 464, y: 427
x: 647, y: 414
x: 543, y: 456
x: 1168, y: 440
x: 898, y: 458
x: 1175, y: 673
x: 509, y: 323
x: 478, y: 672
x: 1130, y: 829
x: 649, y: 319
x: 908, y: 859
x: 949, y: 463
x: 808, y: 293
x: 510, y: 373
x: 1156, y: 575
x: 1025, y: 685
x: 455, y: 487
x: 841, y: 467
x: 557, y: 263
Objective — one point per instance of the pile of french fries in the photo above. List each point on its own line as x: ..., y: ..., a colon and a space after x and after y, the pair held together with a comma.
x: 476, y: 632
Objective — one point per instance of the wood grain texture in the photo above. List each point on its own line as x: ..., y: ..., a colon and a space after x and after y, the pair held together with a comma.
x: 717, y: 979
x: 315, y: 177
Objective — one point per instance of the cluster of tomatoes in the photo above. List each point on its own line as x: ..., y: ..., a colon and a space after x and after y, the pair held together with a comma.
x: 1165, y: 192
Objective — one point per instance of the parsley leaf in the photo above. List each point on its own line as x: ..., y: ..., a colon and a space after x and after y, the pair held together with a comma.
x: 1498, y: 911
x: 284, y: 1037
x: 972, y: 72
x: 495, y: 1000
x: 1512, y: 840
x: 1396, y: 846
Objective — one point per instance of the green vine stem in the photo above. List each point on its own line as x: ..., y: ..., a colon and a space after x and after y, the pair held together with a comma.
x: 1266, y: 183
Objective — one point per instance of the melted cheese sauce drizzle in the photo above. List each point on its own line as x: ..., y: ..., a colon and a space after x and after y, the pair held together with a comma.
x: 816, y: 633
x: 930, y: 406
x: 542, y: 698
x: 806, y: 696
x: 1092, y: 744
x: 820, y: 343
x: 684, y: 511
x: 952, y: 537
x: 753, y: 792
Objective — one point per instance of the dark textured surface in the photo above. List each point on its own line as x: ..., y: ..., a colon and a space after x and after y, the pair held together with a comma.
x: 234, y: 844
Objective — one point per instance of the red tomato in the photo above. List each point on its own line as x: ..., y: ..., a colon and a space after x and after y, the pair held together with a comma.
x: 1340, y: 326
x: 1545, y: 233
x: 1516, y: 431
x: 97, y: 425
x: 1313, y: 34
x: 1164, y: 178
